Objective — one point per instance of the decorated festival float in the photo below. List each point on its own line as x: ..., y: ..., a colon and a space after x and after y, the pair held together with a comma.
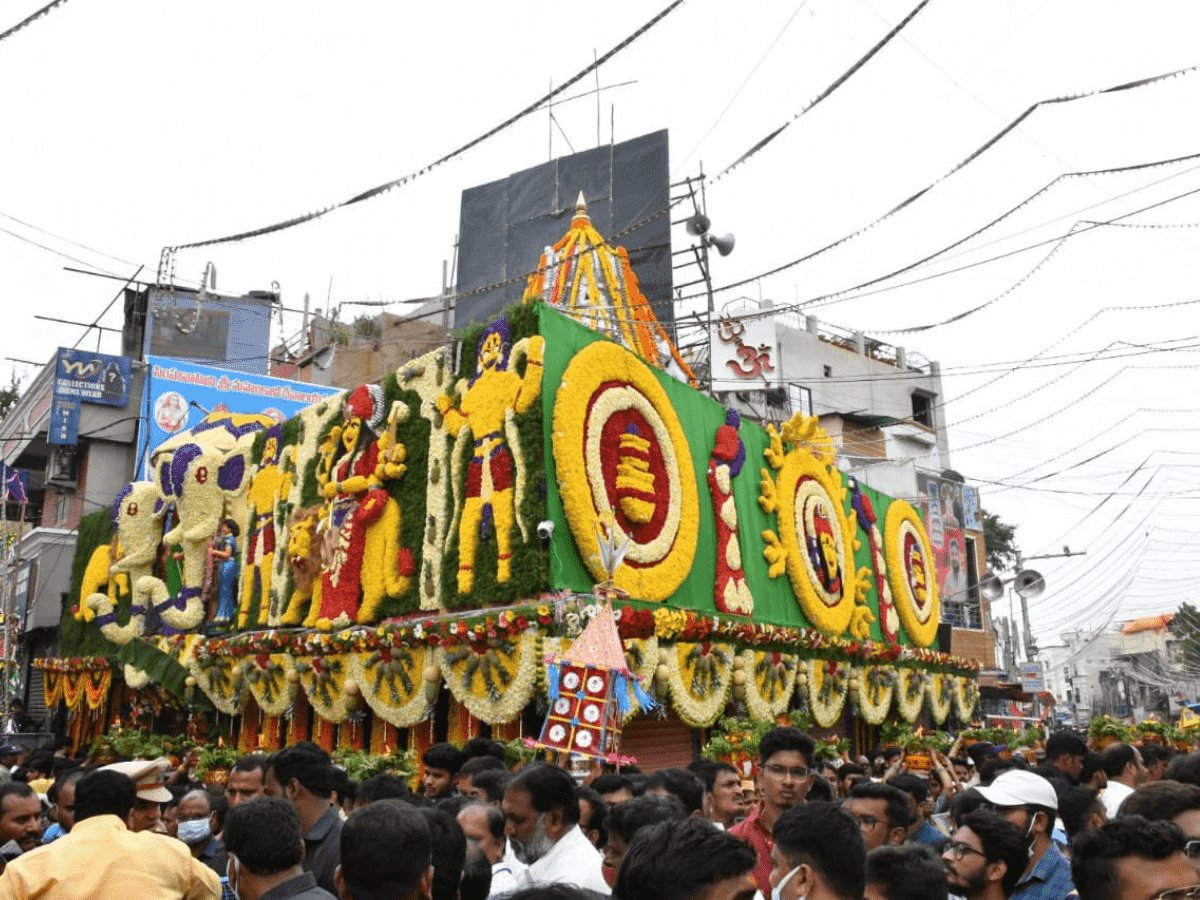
x: 417, y: 558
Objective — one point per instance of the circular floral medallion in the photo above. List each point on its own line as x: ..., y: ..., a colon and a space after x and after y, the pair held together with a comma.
x: 911, y: 573
x: 620, y: 450
x: 583, y: 739
x: 562, y: 706
x: 595, y: 685
x: 966, y: 696
x: 570, y: 681
x: 591, y: 713
x: 939, y: 691
x: 828, y: 686
x: 910, y: 693
x: 557, y: 733
x: 875, y: 686
x: 816, y: 538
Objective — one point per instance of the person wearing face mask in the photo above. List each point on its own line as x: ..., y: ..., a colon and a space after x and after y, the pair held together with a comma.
x: 818, y: 854
x: 194, y: 826
x: 542, y: 823
x: 1029, y: 802
x: 266, y: 848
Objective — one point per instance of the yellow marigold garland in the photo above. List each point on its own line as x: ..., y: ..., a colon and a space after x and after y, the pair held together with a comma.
x: 272, y: 680
x: 700, y: 678
x: 873, y: 689
x: 966, y: 696
x: 393, y: 683
x: 910, y: 693
x: 828, y: 687
x: 600, y: 381
x: 939, y: 692
x: 493, y: 681
x: 913, y: 580
x: 809, y: 500
x: 770, y: 681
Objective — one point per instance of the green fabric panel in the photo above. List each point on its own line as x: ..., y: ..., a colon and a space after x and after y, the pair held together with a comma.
x: 700, y: 417
x: 163, y: 668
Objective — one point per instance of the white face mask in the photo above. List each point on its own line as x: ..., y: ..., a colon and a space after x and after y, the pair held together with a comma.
x: 231, y: 873
x: 777, y: 892
x: 194, y: 831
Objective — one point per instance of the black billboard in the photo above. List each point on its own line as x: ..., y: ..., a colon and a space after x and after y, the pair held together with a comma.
x: 506, y: 225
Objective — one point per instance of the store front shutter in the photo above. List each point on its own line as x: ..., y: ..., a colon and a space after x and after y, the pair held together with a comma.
x: 657, y: 743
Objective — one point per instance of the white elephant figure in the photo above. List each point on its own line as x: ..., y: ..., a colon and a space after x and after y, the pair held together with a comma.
x: 202, y: 483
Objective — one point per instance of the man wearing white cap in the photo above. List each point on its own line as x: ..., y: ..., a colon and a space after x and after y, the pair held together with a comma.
x: 1029, y: 802
x: 152, y: 793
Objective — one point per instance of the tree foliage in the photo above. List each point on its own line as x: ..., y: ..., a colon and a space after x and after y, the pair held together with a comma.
x: 1186, y: 627
x: 10, y: 395
x: 1000, y: 540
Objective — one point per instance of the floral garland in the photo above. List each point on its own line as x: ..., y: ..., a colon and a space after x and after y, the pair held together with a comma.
x: 653, y: 496
x: 873, y: 688
x: 222, y: 680
x: 911, y: 573
x: 393, y: 682
x: 770, y: 679
x: 331, y: 693
x: 272, y: 680
x: 135, y: 679
x: 73, y: 664
x: 938, y: 690
x: 492, y: 678
x: 828, y: 686
x: 72, y: 688
x: 910, y: 694
x: 966, y: 696
x: 700, y: 680
x: 52, y: 683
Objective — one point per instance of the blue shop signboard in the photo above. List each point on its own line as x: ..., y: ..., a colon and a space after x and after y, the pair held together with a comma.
x: 84, y: 377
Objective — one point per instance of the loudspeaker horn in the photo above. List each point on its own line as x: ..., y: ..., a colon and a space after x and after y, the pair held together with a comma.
x: 724, y: 243
x: 992, y: 587
x: 698, y: 224
x: 1029, y: 583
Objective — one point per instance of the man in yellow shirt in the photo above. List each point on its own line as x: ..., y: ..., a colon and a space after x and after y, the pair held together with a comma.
x: 102, y: 859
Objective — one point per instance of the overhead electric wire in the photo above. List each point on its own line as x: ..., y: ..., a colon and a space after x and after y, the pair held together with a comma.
x: 59, y: 237
x: 975, y: 154
x: 30, y: 19
x: 837, y: 83
x: 741, y: 87
x: 397, y: 182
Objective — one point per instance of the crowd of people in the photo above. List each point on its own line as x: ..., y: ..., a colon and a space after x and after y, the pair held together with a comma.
x: 1122, y: 824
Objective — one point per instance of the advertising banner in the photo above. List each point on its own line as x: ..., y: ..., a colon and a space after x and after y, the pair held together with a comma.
x: 179, y: 394
x: 951, y: 509
x: 84, y: 377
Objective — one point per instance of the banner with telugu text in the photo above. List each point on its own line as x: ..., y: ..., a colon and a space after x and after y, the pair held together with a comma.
x: 179, y: 394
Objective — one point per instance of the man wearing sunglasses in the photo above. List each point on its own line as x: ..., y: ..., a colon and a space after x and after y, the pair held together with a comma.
x: 1029, y: 802
x: 985, y: 857
x: 785, y: 760
x: 1131, y: 858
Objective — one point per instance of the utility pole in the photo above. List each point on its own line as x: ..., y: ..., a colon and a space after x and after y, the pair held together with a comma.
x: 1030, y: 643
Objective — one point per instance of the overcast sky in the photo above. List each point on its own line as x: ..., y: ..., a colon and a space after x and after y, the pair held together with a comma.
x: 131, y: 124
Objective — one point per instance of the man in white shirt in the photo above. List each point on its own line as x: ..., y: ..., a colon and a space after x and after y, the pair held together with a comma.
x: 1123, y: 766
x: 541, y: 811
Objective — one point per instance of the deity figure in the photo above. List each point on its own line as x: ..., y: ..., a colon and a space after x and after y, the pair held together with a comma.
x: 261, y: 498
x: 487, y: 399
x: 361, y: 554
